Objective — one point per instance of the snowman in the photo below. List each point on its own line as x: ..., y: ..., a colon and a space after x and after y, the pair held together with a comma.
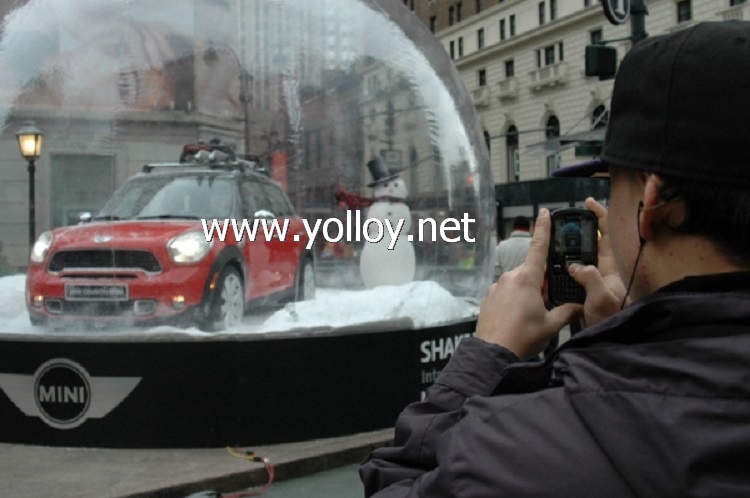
x: 379, y: 265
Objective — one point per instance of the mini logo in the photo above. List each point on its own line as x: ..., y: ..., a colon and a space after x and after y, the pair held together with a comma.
x: 101, y: 239
x: 63, y: 394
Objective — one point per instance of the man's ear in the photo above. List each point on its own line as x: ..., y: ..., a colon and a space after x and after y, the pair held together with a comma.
x: 656, y: 210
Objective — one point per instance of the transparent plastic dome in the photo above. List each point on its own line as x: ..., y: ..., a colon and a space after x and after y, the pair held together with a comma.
x: 351, y: 107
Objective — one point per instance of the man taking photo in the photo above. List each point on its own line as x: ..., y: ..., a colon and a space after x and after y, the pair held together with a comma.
x: 652, y: 398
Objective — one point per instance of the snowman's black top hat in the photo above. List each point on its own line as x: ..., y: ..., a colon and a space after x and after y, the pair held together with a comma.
x: 380, y: 172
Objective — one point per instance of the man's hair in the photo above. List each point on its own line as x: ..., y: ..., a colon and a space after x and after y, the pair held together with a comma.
x: 718, y: 212
x: 521, y: 223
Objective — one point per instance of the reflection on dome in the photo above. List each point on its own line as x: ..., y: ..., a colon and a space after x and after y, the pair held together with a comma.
x: 333, y: 98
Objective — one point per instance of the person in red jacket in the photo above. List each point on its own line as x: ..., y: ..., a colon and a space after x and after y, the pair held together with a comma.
x: 652, y: 397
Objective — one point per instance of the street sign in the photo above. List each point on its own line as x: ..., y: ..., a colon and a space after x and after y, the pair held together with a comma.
x: 616, y: 11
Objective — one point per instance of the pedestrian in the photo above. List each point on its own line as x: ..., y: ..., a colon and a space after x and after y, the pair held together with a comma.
x: 652, y: 398
x: 511, y: 252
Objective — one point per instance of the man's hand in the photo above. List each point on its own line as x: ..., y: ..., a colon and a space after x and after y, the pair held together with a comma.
x: 604, y: 287
x: 513, y: 314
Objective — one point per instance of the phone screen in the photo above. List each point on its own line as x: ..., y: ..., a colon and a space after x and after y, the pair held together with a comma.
x: 574, y: 238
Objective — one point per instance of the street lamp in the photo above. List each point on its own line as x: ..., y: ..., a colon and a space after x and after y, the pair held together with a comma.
x: 30, y: 142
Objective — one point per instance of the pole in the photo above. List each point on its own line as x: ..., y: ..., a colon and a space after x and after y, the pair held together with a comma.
x: 244, y: 76
x: 32, y: 206
x: 638, y: 12
x: 244, y: 100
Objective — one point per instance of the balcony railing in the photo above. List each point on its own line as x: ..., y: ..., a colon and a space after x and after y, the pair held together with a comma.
x: 481, y: 96
x: 737, y: 13
x: 548, y: 76
x: 507, y: 89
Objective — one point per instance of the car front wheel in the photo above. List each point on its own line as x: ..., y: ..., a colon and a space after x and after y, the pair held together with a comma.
x: 228, y: 305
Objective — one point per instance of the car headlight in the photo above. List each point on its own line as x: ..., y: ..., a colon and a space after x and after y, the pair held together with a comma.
x: 41, y: 247
x: 190, y: 247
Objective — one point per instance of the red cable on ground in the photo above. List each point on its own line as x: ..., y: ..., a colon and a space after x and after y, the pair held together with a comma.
x: 257, y: 491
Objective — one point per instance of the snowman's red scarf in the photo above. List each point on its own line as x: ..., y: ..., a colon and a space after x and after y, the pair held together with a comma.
x: 388, y: 198
x: 356, y: 201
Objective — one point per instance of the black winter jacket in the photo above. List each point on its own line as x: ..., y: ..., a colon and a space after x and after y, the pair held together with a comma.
x: 653, y: 402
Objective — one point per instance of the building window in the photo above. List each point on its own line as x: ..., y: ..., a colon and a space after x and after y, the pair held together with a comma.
x: 69, y: 200
x: 480, y: 6
x: 452, y: 50
x: 552, y: 10
x: 553, y: 133
x: 433, y: 23
x: 451, y: 15
x: 460, y: 46
x: 596, y: 36
x: 587, y: 3
x: 502, y: 29
x: 487, y: 139
x: 480, y: 39
x: 413, y: 160
x: 684, y: 11
x: 732, y: 3
x: 512, y: 156
x: 549, y: 55
x: 541, y: 13
x: 510, y: 68
x: 411, y: 4
x: 512, y: 25
x: 482, y: 77
x: 600, y: 117
x: 459, y: 11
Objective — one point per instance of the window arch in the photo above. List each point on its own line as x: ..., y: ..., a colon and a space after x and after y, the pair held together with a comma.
x: 553, y: 127
x: 551, y: 134
x: 599, y: 116
x: 511, y: 158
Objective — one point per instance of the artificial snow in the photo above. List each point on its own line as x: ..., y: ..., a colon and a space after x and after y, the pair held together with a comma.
x: 425, y: 303
x: 416, y: 304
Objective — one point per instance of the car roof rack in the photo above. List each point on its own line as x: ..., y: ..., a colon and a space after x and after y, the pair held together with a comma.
x: 214, y: 155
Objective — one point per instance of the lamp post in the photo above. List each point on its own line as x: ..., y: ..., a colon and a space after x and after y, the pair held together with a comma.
x: 211, y: 55
x: 30, y: 142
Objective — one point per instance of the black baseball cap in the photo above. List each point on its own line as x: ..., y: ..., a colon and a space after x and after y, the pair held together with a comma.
x: 681, y: 107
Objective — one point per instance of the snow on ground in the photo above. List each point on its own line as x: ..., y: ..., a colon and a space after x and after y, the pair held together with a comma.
x: 424, y: 303
x: 13, y: 316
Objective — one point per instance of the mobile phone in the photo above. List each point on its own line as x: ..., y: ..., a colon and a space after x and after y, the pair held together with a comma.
x: 574, y: 238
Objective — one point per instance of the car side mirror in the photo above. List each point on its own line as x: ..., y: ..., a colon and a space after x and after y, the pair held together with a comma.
x: 84, y: 218
x: 263, y: 213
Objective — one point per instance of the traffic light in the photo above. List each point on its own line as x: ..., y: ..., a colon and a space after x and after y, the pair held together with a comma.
x: 601, y: 61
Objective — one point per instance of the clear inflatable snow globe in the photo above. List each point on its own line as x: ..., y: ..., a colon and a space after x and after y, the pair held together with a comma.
x: 236, y: 166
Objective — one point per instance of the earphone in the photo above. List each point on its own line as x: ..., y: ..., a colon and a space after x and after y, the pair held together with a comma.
x: 640, y: 249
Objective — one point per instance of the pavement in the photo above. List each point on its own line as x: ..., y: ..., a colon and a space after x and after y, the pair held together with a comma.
x: 34, y: 471
x: 342, y: 482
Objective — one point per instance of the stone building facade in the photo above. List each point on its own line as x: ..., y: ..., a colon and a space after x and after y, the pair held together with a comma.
x: 523, y: 62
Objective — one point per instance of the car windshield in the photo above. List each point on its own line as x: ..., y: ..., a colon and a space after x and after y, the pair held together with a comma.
x: 171, y: 197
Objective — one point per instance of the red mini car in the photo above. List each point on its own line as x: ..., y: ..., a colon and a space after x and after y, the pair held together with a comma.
x: 145, y: 257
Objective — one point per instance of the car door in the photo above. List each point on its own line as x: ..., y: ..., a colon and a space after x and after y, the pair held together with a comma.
x: 257, y: 252
x: 284, y: 256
